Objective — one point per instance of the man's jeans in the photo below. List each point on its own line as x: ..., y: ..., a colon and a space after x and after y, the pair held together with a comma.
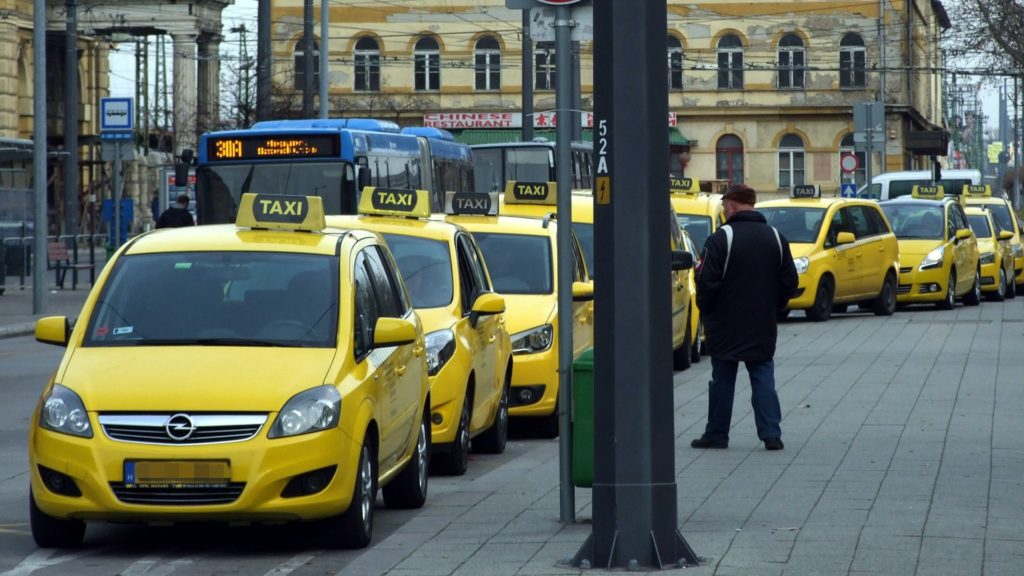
x: 722, y: 389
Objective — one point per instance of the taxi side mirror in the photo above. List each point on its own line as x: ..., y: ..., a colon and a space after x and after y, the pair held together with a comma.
x: 582, y: 291
x: 486, y: 304
x: 53, y: 330
x: 845, y: 238
x: 681, y: 260
x: 1005, y: 235
x: 393, y: 332
x: 963, y: 233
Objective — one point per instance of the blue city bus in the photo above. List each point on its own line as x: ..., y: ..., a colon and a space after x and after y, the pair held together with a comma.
x: 495, y: 164
x: 330, y: 158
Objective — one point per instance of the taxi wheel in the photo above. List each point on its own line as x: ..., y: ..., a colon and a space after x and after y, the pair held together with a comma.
x: 885, y: 304
x: 1000, y: 294
x: 698, y: 344
x: 840, y: 308
x: 455, y: 460
x: 681, y: 355
x: 409, y: 488
x: 51, y: 532
x: 973, y: 298
x: 548, y: 426
x: 950, y: 300
x: 1011, y: 286
x: 354, y: 528
x: 493, y: 440
x: 821, y: 310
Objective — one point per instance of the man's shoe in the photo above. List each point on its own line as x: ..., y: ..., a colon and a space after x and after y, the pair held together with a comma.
x: 705, y: 442
x: 773, y: 444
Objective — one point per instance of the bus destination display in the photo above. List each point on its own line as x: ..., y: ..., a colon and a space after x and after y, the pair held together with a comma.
x: 272, y: 146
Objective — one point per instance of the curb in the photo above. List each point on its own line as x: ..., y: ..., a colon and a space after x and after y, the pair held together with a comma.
x: 14, y: 330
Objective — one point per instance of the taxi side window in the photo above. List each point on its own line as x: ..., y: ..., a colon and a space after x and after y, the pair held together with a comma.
x: 835, y: 226
x: 579, y: 266
x: 471, y: 280
x: 366, y: 312
x: 860, y: 223
x: 957, y: 219
x: 404, y: 299
x: 878, y: 219
x: 384, y: 285
x: 481, y: 268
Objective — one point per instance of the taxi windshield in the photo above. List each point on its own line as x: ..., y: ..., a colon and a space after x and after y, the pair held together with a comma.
x: 979, y: 224
x: 218, y: 299
x: 915, y: 222
x: 585, y: 236
x: 426, y: 266
x: 798, y: 225
x: 518, y: 264
x: 698, y: 227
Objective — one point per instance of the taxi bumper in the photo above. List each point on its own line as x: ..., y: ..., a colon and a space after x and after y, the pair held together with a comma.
x: 538, y: 374
x: 917, y: 285
x: 990, y: 276
x: 447, y: 392
x: 260, y: 471
x: 807, y: 289
x: 1018, y: 269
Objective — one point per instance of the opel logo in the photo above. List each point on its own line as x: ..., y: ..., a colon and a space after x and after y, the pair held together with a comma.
x: 179, y: 427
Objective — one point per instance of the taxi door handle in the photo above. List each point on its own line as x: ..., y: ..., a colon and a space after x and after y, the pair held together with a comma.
x: 400, y: 370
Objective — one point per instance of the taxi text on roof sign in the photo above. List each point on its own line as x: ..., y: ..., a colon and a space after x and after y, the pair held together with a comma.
x: 281, y: 212
x: 805, y: 191
x: 395, y: 202
x: 471, y: 203
x: 517, y: 192
x: 932, y: 192
x: 977, y: 190
x: 683, y: 185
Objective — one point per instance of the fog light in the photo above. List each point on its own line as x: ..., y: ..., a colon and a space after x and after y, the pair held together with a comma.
x: 522, y: 395
x: 309, y: 483
x: 933, y: 287
x: 59, y: 483
x: 525, y: 396
x: 436, y: 418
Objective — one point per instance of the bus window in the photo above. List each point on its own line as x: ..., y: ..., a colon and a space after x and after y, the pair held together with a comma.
x: 529, y: 164
x: 487, y: 169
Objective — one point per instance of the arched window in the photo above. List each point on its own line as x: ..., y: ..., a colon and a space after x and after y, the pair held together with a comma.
x: 729, y: 159
x: 544, y: 66
x: 859, y: 175
x: 300, y: 64
x: 427, y: 64
x: 487, y: 61
x: 675, y: 63
x: 367, y: 63
x: 791, y: 62
x: 852, y: 62
x: 791, y: 161
x: 730, y: 62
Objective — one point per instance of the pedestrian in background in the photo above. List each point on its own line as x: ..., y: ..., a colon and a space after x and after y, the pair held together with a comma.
x: 176, y: 216
x: 746, y: 278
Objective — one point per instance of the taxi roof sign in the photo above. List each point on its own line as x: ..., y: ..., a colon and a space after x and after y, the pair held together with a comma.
x: 683, y: 185
x: 471, y: 203
x: 805, y: 191
x: 281, y: 212
x: 404, y: 202
x: 929, y: 192
x: 977, y: 190
x: 517, y: 192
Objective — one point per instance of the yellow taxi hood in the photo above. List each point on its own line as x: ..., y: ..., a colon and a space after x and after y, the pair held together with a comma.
x: 525, y: 311
x: 436, y: 318
x: 801, y: 249
x: 193, y: 378
x: 917, y: 247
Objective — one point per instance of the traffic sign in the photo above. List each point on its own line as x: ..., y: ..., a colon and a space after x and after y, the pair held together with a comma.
x: 116, y: 114
x: 848, y: 190
x: 849, y: 162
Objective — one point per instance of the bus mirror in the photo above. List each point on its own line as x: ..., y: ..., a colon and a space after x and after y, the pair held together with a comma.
x: 181, y: 168
x: 364, y: 177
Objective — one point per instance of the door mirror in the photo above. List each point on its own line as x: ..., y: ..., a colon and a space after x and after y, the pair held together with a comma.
x: 845, y: 238
x: 681, y: 260
x: 393, y: 332
x: 963, y: 233
x: 486, y: 304
x: 53, y: 330
x: 1006, y: 235
x: 582, y: 291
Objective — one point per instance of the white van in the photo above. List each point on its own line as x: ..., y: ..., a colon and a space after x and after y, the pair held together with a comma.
x: 896, y: 184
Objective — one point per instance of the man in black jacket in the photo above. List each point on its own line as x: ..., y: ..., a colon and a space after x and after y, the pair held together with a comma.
x: 176, y: 216
x: 746, y: 277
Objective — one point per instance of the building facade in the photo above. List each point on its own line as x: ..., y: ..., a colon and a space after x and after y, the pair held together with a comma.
x: 760, y: 92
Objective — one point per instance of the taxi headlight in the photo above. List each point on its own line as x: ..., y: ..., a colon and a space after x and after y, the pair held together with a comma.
x: 533, y: 340
x: 309, y: 411
x: 1018, y: 250
x: 63, y: 411
x: 933, y: 259
x: 440, y: 348
x: 987, y: 257
x: 801, y: 264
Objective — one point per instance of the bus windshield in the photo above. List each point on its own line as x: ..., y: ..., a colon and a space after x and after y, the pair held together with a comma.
x: 219, y: 187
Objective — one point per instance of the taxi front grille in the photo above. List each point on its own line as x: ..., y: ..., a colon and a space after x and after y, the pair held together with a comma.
x: 198, y: 496
x: 181, y: 428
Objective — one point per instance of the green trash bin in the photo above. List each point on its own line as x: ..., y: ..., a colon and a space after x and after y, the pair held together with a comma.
x: 583, y: 420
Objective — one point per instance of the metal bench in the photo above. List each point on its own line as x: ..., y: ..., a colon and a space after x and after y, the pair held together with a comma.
x: 58, y: 258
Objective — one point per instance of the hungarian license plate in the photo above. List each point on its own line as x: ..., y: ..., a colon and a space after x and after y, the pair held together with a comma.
x: 177, y: 473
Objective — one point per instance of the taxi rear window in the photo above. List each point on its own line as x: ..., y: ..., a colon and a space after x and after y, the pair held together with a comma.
x: 426, y: 267
x: 798, y: 225
x: 698, y: 227
x: 518, y: 264
x: 914, y: 222
x: 218, y: 299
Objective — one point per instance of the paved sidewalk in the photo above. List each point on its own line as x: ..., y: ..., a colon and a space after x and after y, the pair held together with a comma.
x: 16, y: 317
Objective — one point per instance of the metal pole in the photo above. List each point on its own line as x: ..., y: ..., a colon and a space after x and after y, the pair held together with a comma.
x: 324, y: 75
x: 577, y: 98
x: 563, y: 176
x: 39, y: 291
x: 117, y: 194
x: 881, y: 90
x: 263, y: 56
x: 527, y: 79
x: 307, y: 58
x: 1017, y: 141
x: 71, y: 121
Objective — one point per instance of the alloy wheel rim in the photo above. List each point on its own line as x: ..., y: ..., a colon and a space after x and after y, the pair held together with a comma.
x: 421, y: 455
x: 464, y: 429
x: 951, y: 290
x: 1002, y: 283
x: 366, y: 481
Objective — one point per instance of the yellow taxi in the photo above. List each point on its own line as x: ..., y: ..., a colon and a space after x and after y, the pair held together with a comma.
x: 264, y: 371
x: 699, y: 213
x: 1002, y: 213
x: 995, y: 255
x: 521, y: 256
x: 469, y: 356
x: 938, y: 251
x: 843, y: 249
x: 696, y: 327
x: 543, y: 205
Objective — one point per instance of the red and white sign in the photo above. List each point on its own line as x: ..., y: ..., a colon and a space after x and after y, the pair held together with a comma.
x: 549, y: 119
x: 849, y: 162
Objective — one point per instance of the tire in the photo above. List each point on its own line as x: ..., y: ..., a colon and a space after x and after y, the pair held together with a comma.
x: 548, y: 426
x: 681, y: 355
x: 1011, y: 285
x: 455, y: 459
x: 697, y: 349
x: 885, y: 304
x: 1000, y: 294
x: 51, y: 532
x: 409, y: 488
x: 354, y: 527
x: 973, y: 298
x: 821, y: 310
x: 949, y: 301
x: 493, y: 440
x: 839, y: 308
